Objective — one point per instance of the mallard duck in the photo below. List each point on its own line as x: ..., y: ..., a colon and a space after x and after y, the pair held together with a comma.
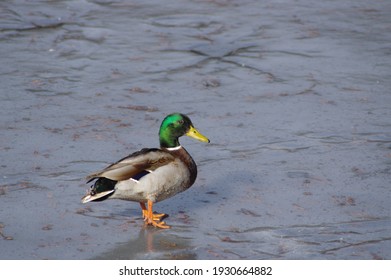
x: 150, y: 175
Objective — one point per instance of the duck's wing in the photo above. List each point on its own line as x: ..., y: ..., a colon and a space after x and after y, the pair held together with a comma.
x: 131, y: 166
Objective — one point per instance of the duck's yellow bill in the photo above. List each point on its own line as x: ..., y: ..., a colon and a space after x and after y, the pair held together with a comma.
x: 194, y: 133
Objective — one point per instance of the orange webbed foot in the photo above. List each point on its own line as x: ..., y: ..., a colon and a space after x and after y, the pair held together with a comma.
x: 151, y: 218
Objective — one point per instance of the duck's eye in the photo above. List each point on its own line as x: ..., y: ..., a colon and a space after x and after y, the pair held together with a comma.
x: 181, y: 122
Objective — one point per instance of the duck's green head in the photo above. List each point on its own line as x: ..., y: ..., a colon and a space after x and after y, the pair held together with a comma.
x: 174, y: 126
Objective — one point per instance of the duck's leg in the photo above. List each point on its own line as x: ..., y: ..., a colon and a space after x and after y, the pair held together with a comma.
x: 143, y: 209
x: 150, y: 218
x: 156, y: 216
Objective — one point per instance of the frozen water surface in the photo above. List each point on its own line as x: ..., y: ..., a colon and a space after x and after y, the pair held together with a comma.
x: 294, y: 95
